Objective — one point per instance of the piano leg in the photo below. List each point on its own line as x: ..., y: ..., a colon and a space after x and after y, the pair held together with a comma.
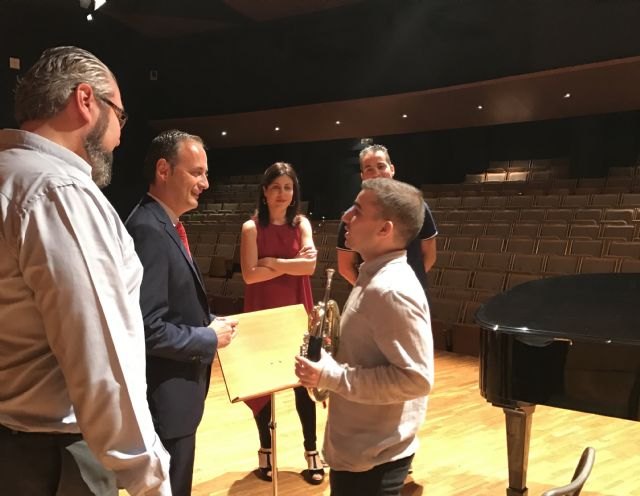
x: 518, y: 422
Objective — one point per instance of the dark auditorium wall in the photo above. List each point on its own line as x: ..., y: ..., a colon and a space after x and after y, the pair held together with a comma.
x: 378, y: 47
x: 329, y: 171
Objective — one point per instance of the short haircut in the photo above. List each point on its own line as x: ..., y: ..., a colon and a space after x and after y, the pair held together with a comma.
x: 273, y: 172
x: 45, y: 89
x: 400, y: 203
x: 373, y: 149
x: 165, y: 146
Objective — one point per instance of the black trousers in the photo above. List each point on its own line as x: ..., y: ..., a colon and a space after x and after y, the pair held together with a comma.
x: 306, y: 409
x: 43, y: 464
x: 382, y: 480
x: 182, y: 451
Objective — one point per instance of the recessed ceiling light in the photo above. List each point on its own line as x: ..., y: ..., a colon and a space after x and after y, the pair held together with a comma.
x: 404, y: 116
x: 276, y: 128
x: 480, y: 107
x: 89, y: 17
x: 223, y: 133
x: 337, y: 123
x: 567, y: 95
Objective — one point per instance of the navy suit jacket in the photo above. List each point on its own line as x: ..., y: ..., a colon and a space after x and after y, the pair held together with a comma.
x: 180, y: 346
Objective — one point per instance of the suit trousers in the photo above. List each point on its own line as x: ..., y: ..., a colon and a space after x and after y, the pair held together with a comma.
x: 51, y: 464
x: 183, y: 452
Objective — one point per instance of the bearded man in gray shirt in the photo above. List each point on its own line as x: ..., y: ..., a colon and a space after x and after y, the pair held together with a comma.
x: 383, y: 370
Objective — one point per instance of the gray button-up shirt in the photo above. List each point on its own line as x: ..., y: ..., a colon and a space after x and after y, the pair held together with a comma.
x: 383, y: 370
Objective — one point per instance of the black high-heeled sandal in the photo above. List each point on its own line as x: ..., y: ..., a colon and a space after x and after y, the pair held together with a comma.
x: 315, y: 470
x: 264, y: 464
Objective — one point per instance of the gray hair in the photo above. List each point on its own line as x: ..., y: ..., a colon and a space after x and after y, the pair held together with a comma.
x: 373, y: 149
x: 400, y: 203
x: 45, y: 88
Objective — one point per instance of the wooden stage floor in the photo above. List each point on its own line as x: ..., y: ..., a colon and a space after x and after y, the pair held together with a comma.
x: 462, y: 453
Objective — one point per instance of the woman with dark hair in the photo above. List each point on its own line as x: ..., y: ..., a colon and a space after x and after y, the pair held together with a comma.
x: 277, y: 256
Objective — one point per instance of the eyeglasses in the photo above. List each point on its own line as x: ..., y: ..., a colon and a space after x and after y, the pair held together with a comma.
x: 120, y: 113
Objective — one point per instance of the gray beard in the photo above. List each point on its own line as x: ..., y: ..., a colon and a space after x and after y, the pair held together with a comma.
x: 100, y: 159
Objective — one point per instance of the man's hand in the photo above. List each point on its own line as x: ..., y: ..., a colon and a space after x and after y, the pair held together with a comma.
x: 309, y: 372
x: 225, y: 329
x: 308, y: 252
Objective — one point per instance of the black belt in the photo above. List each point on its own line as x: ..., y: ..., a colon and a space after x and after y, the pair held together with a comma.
x: 6, y: 431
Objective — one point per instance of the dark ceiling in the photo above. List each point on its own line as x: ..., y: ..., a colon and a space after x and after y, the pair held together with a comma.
x: 249, y: 66
x: 170, y: 18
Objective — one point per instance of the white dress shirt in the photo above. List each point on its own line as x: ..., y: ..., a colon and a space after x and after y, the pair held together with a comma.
x: 72, y: 350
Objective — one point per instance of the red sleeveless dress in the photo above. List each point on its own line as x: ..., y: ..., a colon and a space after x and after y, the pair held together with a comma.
x: 278, y: 241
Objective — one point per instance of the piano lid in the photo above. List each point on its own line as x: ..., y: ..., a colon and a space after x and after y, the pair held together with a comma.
x: 591, y: 307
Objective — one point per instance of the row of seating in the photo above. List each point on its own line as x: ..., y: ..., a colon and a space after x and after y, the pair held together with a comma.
x: 543, y: 246
x: 563, y: 185
x: 538, y: 214
x: 608, y: 200
x: 543, y: 229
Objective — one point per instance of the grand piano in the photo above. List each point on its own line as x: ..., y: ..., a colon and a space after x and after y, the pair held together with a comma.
x: 570, y: 342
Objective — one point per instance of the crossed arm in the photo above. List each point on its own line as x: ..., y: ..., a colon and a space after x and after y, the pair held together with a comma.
x: 256, y: 269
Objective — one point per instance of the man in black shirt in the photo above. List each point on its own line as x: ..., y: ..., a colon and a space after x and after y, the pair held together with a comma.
x: 421, y: 251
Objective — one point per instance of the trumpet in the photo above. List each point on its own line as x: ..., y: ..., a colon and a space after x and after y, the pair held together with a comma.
x: 323, y: 332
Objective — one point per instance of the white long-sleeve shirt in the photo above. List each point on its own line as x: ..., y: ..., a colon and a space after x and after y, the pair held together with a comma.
x: 72, y: 351
x: 383, y: 371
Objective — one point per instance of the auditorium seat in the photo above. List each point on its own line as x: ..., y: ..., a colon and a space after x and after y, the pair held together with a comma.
x: 476, y: 215
x: 461, y: 243
x: 624, y: 249
x: 506, y: 215
x: 490, y: 243
x: 443, y: 259
x: 630, y: 200
x: 520, y: 201
x: 629, y: 265
x: 529, y: 230
x: 532, y: 214
x: 621, y: 232
x: 517, y: 176
x: 455, y: 278
x: 575, y: 201
x: 627, y: 215
x: 553, y: 230
x: 496, y: 261
x: 499, y: 229
x: 472, y: 201
x: 607, y: 200
x: 488, y: 280
x: 527, y: 263
x: 562, y: 264
x: 590, y: 265
x: 520, y: 245
x: 588, y: 231
x: 466, y: 260
x: 592, y: 247
x: 595, y: 214
x: 514, y: 279
x: 547, y: 201
x: 472, y: 229
x: 548, y: 246
x: 560, y: 214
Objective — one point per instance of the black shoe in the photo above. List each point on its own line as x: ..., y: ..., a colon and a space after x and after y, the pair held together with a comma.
x: 264, y: 471
x: 315, y: 471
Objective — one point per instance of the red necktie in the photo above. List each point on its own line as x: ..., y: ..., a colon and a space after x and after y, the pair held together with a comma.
x: 183, y: 236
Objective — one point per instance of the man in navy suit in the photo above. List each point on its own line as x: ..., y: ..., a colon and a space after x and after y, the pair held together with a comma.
x: 181, y: 337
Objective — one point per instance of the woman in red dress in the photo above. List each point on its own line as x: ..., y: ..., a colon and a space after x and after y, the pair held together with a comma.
x: 277, y: 256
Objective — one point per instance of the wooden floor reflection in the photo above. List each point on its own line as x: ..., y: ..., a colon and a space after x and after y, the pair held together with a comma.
x: 462, y: 453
